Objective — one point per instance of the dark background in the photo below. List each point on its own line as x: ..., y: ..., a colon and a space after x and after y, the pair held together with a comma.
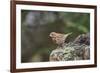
x: 36, y: 45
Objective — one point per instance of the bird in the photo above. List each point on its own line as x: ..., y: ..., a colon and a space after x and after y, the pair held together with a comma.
x: 59, y: 38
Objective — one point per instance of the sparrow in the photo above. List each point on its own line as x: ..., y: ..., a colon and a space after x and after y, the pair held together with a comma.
x: 59, y: 38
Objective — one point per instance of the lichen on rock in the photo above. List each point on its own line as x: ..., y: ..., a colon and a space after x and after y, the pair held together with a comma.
x: 72, y: 50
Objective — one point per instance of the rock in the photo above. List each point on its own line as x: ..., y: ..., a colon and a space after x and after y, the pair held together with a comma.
x: 77, y: 50
x: 83, y: 39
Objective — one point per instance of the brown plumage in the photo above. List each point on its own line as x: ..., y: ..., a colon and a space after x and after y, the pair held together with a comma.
x: 58, y: 38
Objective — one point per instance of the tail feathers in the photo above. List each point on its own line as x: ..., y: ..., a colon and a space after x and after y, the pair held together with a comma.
x: 66, y: 35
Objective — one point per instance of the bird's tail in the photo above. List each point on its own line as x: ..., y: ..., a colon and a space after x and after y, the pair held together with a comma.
x: 66, y: 35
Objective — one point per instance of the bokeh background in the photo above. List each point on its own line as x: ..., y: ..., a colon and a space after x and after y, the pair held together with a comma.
x: 36, y: 45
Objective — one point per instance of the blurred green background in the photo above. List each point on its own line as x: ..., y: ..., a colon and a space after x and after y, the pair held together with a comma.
x: 36, y: 45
